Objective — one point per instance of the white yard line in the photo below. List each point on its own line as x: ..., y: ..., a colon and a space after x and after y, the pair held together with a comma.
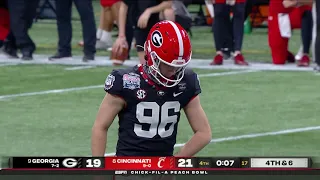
x: 227, y: 73
x: 78, y: 68
x: 254, y: 135
x: 55, y: 91
x: 8, y: 64
x: 196, y: 63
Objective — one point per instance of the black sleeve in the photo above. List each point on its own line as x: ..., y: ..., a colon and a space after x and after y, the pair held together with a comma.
x: 193, y: 88
x: 113, y: 84
x: 197, y: 88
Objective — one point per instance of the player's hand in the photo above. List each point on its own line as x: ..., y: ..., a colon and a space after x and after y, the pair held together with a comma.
x: 119, y: 45
x: 144, y: 19
x: 289, y: 3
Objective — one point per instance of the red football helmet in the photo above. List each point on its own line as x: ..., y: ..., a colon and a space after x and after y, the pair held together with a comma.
x: 168, y: 43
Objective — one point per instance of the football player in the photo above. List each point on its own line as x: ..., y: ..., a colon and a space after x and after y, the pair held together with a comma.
x: 289, y: 3
x: 284, y: 17
x: 148, y: 100
x: 108, y: 16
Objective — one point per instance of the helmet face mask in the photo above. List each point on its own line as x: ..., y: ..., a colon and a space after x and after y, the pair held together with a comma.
x: 160, y: 77
x: 168, y: 52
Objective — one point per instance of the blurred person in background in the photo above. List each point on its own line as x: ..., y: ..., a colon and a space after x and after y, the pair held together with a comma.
x: 110, y: 10
x: 129, y: 32
x: 290, y: 3
x: 179, y: 13
x: 22, y: 13
x: 168, y: 13
x: 314, y: 26
x: 306, y: 37
x: 224, y: 28
x: 108, y: 16
x: 144, y: 15
x: 4, y: 21
x: 317, y: 35
x: 64, y: 14
x: 283, y: 17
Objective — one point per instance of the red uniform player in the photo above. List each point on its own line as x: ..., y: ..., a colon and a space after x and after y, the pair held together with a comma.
x: 4, y: 23
x: 280, y: 23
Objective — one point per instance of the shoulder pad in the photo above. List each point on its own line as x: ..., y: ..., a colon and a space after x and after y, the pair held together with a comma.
x: 113, y: 83
x: 120, y: 79
x: 193, y: 81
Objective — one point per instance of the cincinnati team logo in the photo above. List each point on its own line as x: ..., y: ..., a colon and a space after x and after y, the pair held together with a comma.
x: 160, y: 162
x: 157, y: 39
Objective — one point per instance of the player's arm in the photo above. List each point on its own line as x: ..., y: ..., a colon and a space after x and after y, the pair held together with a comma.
x: 160, y: 7
x: 111, y: 105
x: 122, y: 19
x: 121, y: 41
x: 200, y: 126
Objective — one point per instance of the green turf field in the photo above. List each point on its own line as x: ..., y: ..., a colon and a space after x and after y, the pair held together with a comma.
x: 46, y: 110
x: 239, y: 104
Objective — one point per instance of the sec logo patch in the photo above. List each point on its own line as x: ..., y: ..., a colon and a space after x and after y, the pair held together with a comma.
x: 141, y: 94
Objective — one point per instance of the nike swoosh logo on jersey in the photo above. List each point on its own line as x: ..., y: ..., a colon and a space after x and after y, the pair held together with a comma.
x: 177, y: 94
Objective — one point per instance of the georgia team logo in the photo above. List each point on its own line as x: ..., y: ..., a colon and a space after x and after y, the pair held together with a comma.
x: 69, y: 163
x: 157, y: 39
x: 161, y: 161
x: 160, y: 93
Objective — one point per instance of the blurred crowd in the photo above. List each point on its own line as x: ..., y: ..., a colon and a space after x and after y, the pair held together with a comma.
x: 135, y: 18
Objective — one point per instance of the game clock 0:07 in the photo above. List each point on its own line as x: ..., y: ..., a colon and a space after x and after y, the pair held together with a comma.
x: 225, y: 163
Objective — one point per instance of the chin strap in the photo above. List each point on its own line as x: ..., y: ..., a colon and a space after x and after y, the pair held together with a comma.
x: 146, y: 69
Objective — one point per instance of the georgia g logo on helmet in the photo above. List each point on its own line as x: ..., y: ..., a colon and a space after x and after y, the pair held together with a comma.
x: 156, y: 39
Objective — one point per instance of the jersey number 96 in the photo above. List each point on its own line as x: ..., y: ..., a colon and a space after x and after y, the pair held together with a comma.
x: 158, y: 120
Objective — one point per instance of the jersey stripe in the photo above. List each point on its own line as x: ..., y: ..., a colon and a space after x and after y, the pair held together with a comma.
x: 181, y: 50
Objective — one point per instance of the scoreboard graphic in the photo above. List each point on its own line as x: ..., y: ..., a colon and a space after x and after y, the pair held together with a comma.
x: 158, y: 165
